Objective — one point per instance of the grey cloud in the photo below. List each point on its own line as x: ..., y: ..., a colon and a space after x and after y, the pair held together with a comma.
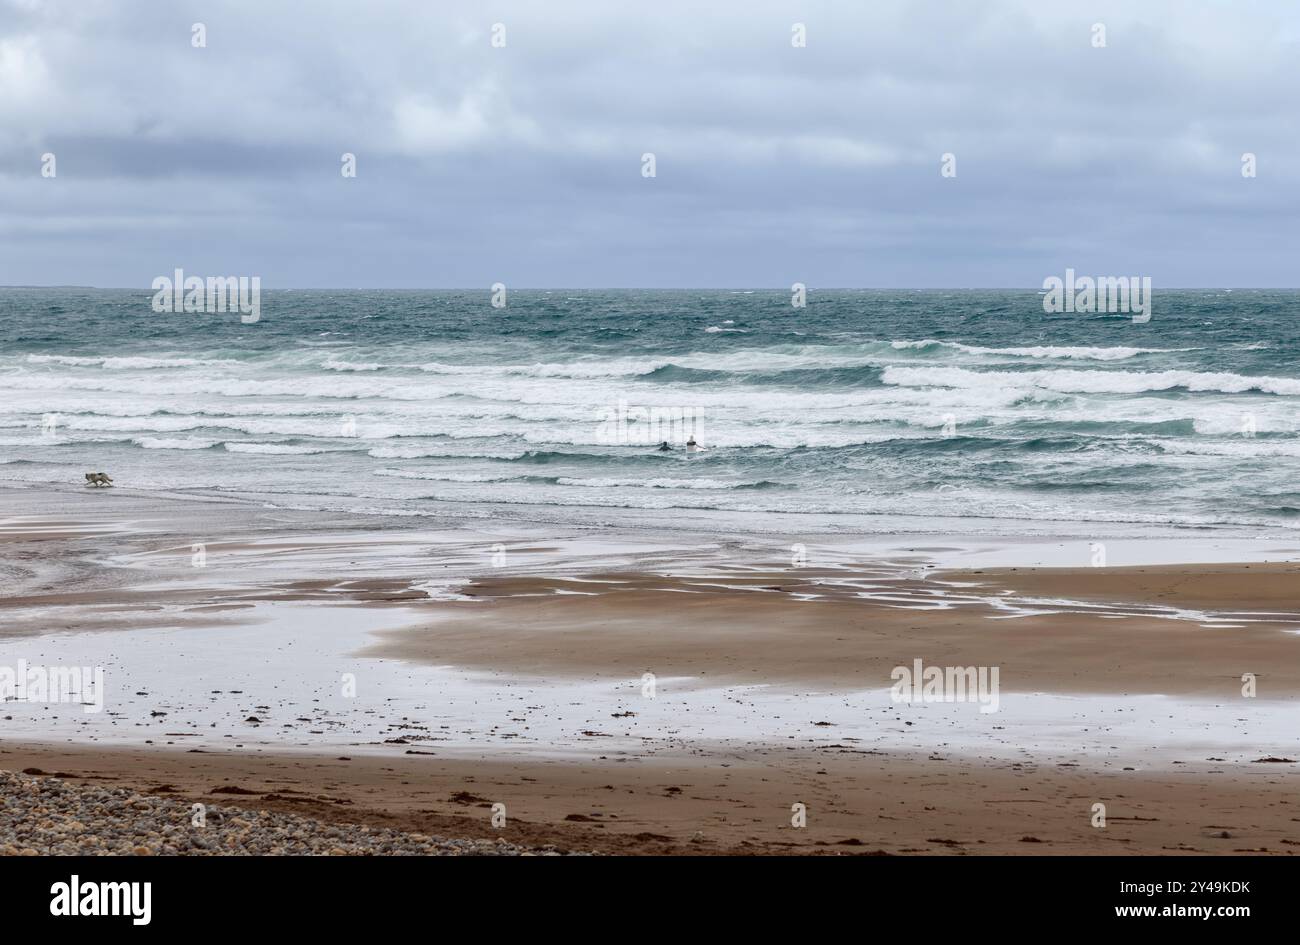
x: 775, y: 164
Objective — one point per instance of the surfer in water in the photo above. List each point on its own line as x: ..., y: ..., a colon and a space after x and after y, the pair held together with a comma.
x: 693, y: 447
x: 664, y: 447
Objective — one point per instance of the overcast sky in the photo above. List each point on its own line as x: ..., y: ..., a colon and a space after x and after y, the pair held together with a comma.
x: 775, y: 164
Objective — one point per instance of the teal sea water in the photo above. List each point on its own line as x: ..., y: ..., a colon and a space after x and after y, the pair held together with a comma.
x: 866, y: 410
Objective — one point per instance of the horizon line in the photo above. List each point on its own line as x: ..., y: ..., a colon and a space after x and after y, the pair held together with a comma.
x: 621, y: 288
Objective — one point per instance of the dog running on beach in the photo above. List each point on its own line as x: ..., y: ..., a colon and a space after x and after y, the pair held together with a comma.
x: 98, y: 479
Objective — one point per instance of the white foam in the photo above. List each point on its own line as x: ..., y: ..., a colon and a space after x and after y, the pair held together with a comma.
x: 183, y: 443
x: 1090, y: 382
x: 125, y: 363
x: 659, y: 483
x: 285, y: 449
x: 1081, y: 353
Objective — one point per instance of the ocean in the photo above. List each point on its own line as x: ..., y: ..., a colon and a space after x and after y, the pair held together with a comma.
x: 939, y: 411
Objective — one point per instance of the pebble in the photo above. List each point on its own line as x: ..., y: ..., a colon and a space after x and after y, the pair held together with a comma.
x: 42, y: 816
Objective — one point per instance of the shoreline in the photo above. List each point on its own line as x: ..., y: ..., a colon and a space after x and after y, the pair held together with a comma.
x: 952, y: 539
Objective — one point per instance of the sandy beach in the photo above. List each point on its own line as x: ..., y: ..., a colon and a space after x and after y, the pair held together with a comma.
x: 674, y: 694
x: 672, y: 429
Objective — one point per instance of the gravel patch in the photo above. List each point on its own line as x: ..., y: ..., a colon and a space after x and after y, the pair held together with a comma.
x: 41, y: 816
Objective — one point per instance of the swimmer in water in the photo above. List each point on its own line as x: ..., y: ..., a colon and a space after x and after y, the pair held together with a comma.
x: 664, y: 447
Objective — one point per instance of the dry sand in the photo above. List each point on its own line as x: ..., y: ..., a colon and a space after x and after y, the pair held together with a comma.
x: 717, y: 802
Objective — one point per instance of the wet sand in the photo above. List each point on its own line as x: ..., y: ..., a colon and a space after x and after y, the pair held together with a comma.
x: 519, y: 682
x: 764, y: 628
